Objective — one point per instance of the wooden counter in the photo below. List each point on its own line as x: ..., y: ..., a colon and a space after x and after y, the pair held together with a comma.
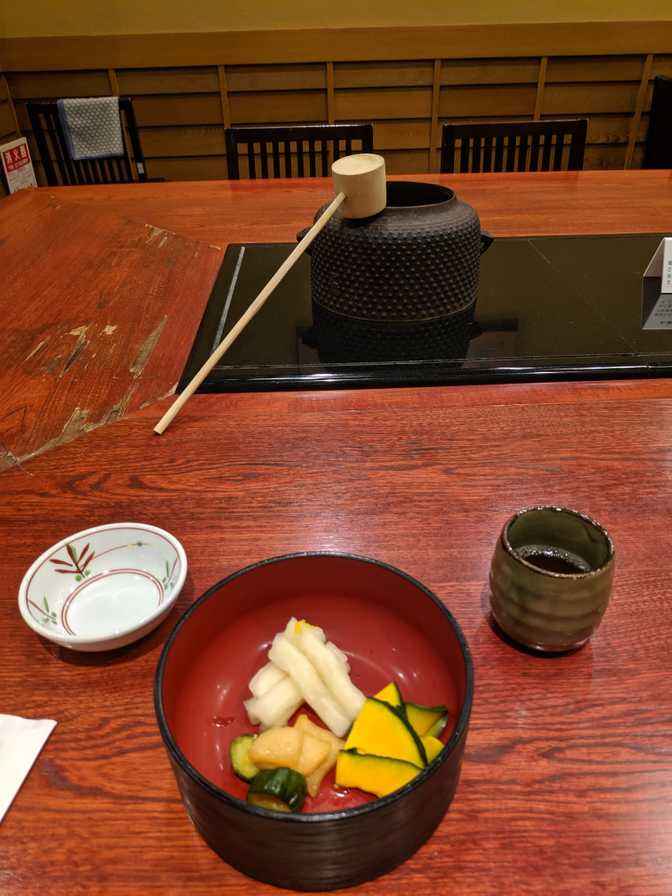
x: 567, y: 781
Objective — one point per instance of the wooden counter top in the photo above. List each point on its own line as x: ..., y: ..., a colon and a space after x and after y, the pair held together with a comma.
x: 567, y: 780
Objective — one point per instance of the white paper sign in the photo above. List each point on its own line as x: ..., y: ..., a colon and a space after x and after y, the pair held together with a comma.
x: 17, y: 165
x: 657, y: 289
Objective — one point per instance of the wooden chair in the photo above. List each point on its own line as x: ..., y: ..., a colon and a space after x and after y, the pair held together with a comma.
x: 514, y: 146
x: 61, y: 170
x: 285, y: 148
x: 658, y: 149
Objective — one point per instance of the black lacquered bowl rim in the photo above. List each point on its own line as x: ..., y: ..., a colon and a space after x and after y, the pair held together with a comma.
x: 314, y: 817
x: 511, y: 551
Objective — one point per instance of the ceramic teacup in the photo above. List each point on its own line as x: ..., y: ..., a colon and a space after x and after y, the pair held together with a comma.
x: 551, y: 578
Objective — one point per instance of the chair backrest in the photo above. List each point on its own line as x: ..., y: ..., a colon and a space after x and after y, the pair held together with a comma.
x: 61, y: 170
x: 295, y: 151
x: 658, y: 149
x: 514, y: 146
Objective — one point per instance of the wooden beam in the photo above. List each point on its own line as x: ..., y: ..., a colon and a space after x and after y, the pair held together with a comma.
x: 434, y: 127
x: 335, y: 44
x: 224, y: 96
x: 114, y: 82
x: 331, y: 104
x: 541, y: 86
x: 11, y: 103
x: 647, y: 68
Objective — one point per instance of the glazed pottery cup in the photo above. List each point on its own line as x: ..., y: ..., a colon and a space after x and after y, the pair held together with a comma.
x: 551, y: 578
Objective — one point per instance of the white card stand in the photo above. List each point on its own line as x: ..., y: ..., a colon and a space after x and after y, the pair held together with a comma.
x: 657, y: 289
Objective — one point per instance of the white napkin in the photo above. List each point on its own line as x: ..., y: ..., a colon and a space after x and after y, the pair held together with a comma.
x: 20, y: 743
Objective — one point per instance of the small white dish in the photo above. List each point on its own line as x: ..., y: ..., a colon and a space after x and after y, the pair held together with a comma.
x: 103, y: 587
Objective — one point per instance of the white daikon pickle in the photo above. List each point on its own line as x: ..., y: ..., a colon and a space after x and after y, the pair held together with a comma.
x: 264, y: 679
x: 332, y: 672
x: 274, y: 708
x: 313, y: 690
x: 295, y: 626
x: 338, y: 653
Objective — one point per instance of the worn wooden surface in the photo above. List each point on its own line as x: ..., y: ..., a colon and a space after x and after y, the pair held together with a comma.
x: 567, y: 780
x: 95, y: 308
x: 509, y: 205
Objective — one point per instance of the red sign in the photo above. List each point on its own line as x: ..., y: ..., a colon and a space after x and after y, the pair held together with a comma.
x: 16, y: 158
x: 16, y: 164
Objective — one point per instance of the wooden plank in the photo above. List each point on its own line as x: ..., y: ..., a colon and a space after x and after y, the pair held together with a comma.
x: 613, y: 128
x: 642, y: 96
x: 7, y: 122
x: 341, y: 44
x: 406, y: 102
x: 182, y: 141
x: 406, y: 161
x: 275, y: 77
x: 579, y: 99
x: 662, y: 65
x: 499, y: 102
x: 489, y: 71
x: 188, y: 168
x: 114, y: 82
x: 4, y: 89
x: 412, y: 133
x: 278, y: 107
x: 156, y: 111
x: 541, y: 86
x: 47, y: 85
x: 594, y: 68
x: 331, y: 106
x: 224, y: 95
x: 435, y: 135
x: 383, y: 74
x: 70, y: 375
x: 168, y: 80
x: 604, y: 156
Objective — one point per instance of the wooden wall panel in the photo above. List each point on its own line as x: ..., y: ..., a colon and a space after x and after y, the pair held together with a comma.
x: 177, y: 109
x: 275, y: 77
x: 45, y: 85
x: 7, y: 124
x: 492, y: 102
x: 383, y: 74
x: 582, y: 99
x: 363, y: 105
x: 407, y: 82
x: 278, y: 107
x: 139, y: 82
x: 594, y: 68
x: 490, y: 71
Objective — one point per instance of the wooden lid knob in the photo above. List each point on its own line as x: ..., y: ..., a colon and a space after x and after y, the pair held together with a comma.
x: 362, y: 178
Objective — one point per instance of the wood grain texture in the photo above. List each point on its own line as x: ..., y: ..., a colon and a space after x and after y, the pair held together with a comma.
x: 94, y: 312
x: 567, y: 763
x: 567, y: 781
x: 508, y: 204
x: 183, y: 109
x: 311, y: 45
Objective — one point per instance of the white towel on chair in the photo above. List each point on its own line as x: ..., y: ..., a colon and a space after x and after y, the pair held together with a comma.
x: 92, y: 127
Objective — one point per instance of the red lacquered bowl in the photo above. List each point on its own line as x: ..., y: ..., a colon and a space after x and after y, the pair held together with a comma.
x: 393, y: 629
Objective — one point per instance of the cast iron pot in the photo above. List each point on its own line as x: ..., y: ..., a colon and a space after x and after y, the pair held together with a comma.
x: 392, y: 627
x: 406, y: 277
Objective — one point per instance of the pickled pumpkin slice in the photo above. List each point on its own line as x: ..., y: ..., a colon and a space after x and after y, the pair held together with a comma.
x: 433, y: 747
x: 426, y: 719
x: 374, y: 774
x: 391, y: 694
x: 382, y: 731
